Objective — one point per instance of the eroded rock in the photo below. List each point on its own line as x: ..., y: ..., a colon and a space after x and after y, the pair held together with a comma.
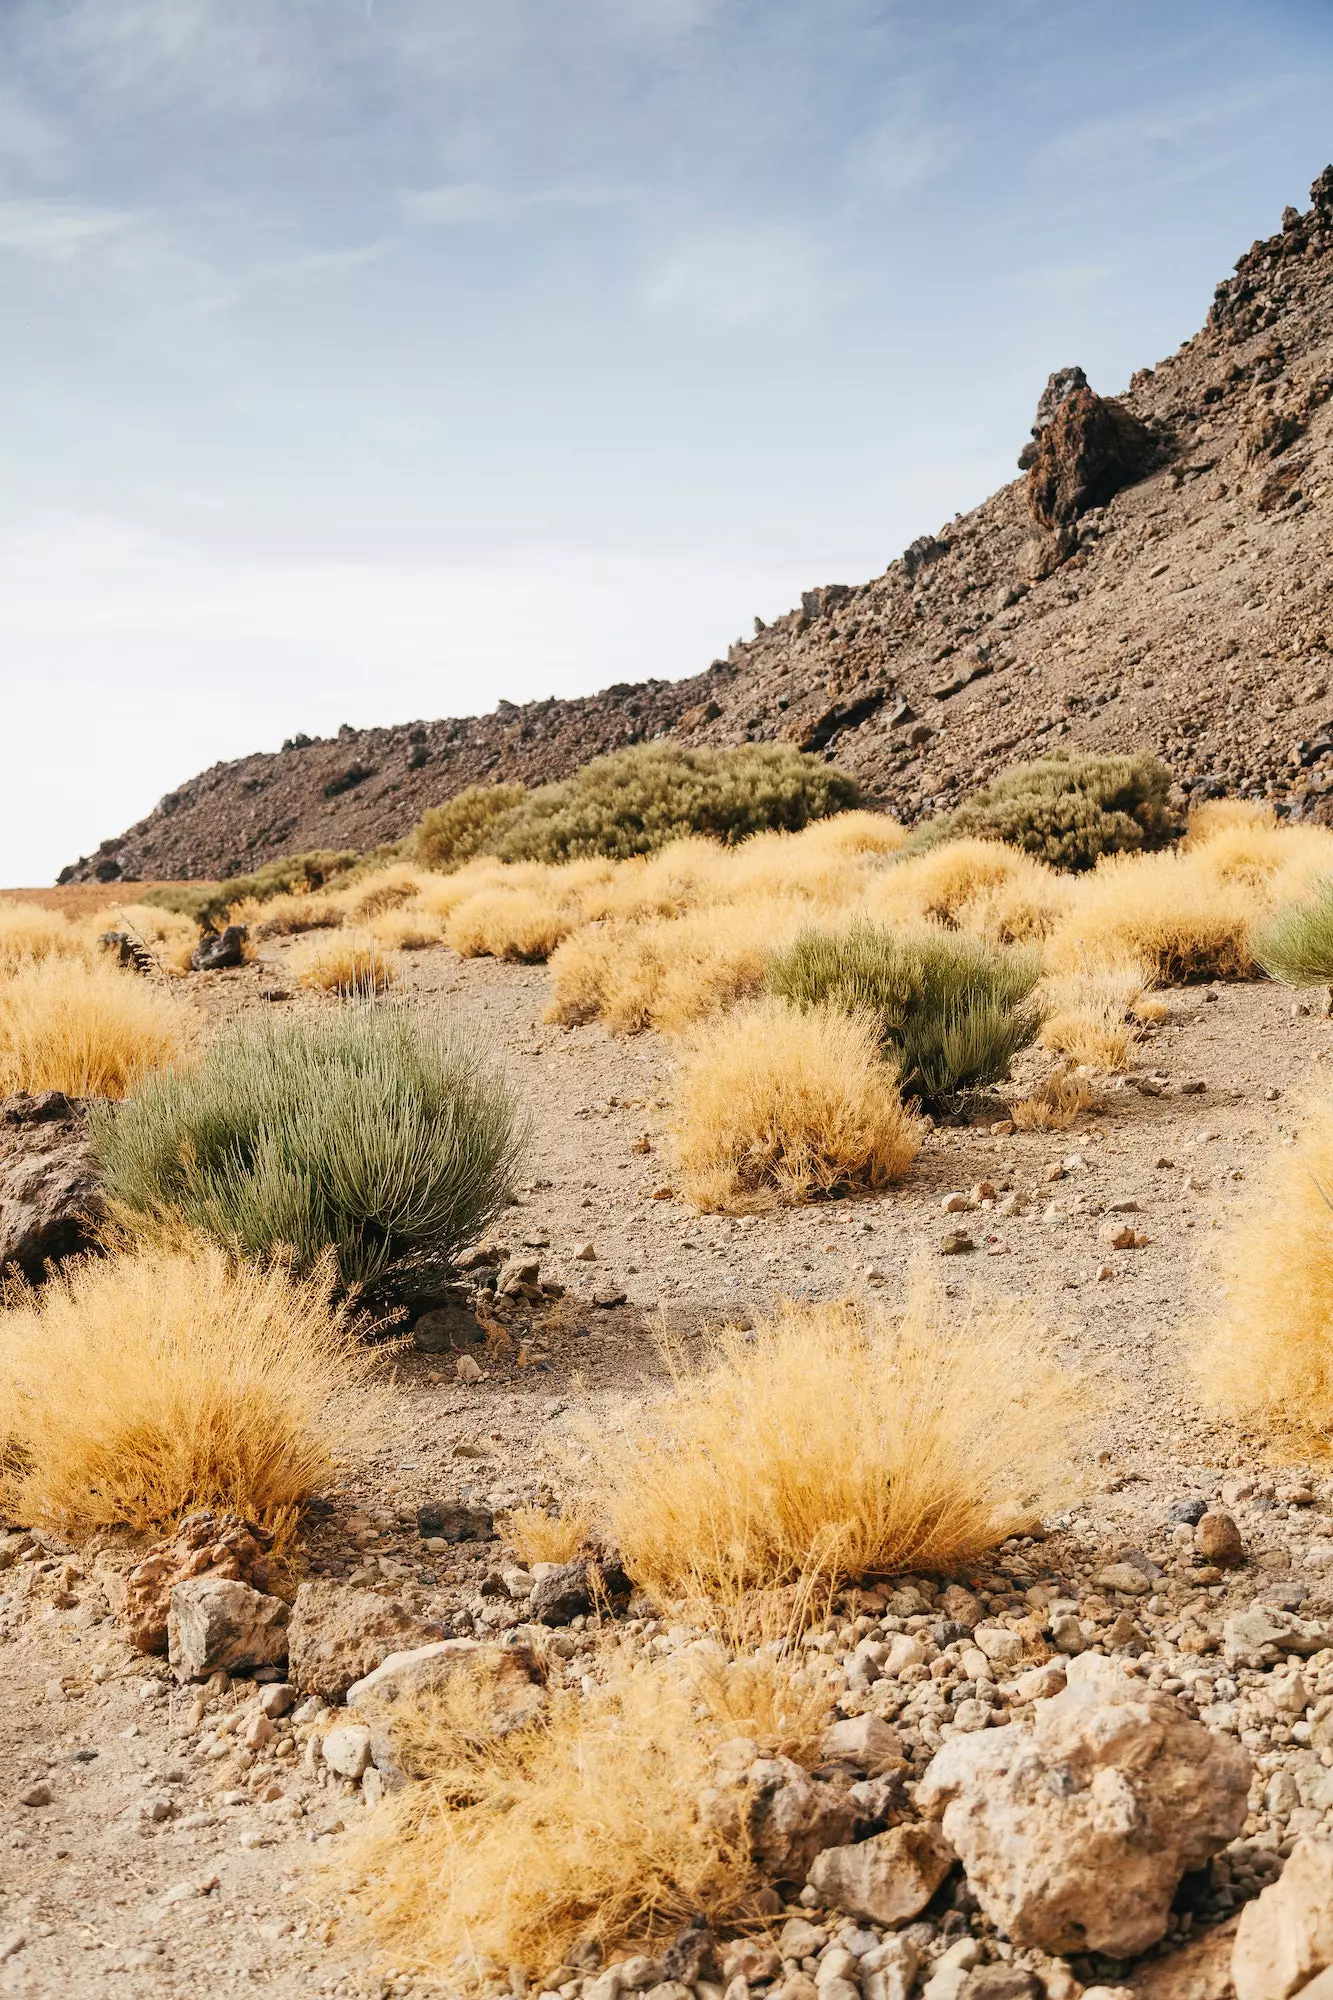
x: 218, y: 1626
x: 50, y: 1203
x: 1091, y: 448
x: 888, y: 1879
x: 1285, y: 1937
x: 339, y: 1635
x: 221, y: 1545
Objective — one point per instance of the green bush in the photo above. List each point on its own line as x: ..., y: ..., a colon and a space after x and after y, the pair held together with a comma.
x: 1066, y: 811
x: 1296, y: 944
x: 637, y: 800
x: 446, y: 836
x: 209, y: 902
x: 372, y: 1131
x: 952, y: 1012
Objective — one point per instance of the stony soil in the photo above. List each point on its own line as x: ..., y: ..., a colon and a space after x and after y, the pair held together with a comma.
x: 1192, y: 616
x: 167, y: 1856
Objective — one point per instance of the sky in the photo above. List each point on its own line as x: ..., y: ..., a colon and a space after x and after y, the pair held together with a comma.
x: 363, y: 360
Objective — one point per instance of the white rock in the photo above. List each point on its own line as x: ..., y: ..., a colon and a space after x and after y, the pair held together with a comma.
x: 1075, y: 1831
x: 1285, y: 1938
x: 217, y: 1626
x: 1001, y: 1646
x: 347, y: 1749
x: 888, y: 1879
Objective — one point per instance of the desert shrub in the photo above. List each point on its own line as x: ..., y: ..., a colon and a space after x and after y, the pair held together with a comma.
x: 1295, y: 945
x: 853, y: 1443
x: 287, y: 914
x: 88, y: 1029
x: 350, y: 964
x: 1214, y: 816
x: 370, y: 1131
x: 368, y: 896
x: 167, y: 936
x: 1057, y: 1102
x: 505, y: 1853
x: 1165, y: 914
x: 446, y: 836
x: 520, y: 924
x: 207, y: 903
x: 1268, y: 1356
x: 672, y: 973
x: 637, y: 800
x: 408, y: 929
x: 980, y: 886
x: 1068, y: 811
x: 777, y: 1105
x: 28, y: 931
x: 552, y: 1538
x: 1088, y: 1016
x: 136, y: 1388
x: 950, y: 1011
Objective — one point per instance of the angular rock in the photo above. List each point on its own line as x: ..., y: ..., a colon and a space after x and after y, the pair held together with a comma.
x: 508, y: 1682
x: 221, y: 1545
x: 448, y: 1328
x: 792, y: 1816
x: 453, y: 1523
x: 1200, y: 1970
x: 215, y: 953
x: 50, y: 1203
x: 1218, y: 1539
x: 339, y: 1635
x: 1285, y: 1938
x: 573, y: 1589
x: 887, y: 1879
x: 862, y: 1743
x: 1001, y: 1982
x: 346, y: 1749
x: 1075, y: 1831
x: 1091, y: 448
x: 1001, y: 1646
x: 1255, y: 1638
x: 888, y: 1971
x: 216, y: 1625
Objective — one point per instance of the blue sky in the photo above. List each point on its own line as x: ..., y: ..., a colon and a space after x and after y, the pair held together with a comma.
x: 365, y: 359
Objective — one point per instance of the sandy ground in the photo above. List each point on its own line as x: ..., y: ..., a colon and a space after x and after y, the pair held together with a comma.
x: 157, y: 1868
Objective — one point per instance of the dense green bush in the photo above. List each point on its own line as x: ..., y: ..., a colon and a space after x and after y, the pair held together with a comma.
x: 209, y: 902
x: 1067, y: 811
x: 372, y: 1131
x: 1296, y: 944
x: 446, y: 836
x: 952, y: 1011
x: 637, y: 800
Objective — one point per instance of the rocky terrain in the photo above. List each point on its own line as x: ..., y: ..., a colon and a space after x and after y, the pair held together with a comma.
x: 1158, y: 579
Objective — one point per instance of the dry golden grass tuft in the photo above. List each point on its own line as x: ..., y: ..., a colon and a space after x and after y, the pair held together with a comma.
x: 981, y: 886
x: 1214, y: 816
x: 28, y: 932
x: 408, y: 929
x: 388, y: 889
x: 776, y: 1105
x: 1091, y: 1016
x: 522, y: 924
x: 548, y: 1538
x: 508, y: 1852
x: 287, y: 915
x: 1169, y: 915
x: 1268, y: 1357
x: 1058, y: 1102
x: 670, y: 973
x: 166, y: 934
x: 844, y: 1442
x: 348, y: 964
x: 85, y: 1028
x: 137, y: 1387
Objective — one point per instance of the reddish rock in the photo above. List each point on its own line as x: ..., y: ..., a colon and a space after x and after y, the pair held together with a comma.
x: 221, y: 1545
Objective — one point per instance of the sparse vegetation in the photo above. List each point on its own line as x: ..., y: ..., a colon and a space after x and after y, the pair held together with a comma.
x: 29, y: 932
x: 446, y: 836
x: 1068, y: 811
x: 85, y: 1028
x: 847, y: 1443
x: 552, y: 1538
x: 1268, y: 1356
x: 1088, y: 1018
x: 1296, y: 944
x: 207, y: 903
x: 950, y: 1011
x: 370, y: 1132
x: 776, y: 1105
x: 351, y: 964
x: 1057, y: 1102
x: 1165, y: 915
x: 135, y: 1388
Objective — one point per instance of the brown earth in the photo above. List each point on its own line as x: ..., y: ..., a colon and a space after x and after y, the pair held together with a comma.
x: 1192, y: 614
x: 143, y: 1802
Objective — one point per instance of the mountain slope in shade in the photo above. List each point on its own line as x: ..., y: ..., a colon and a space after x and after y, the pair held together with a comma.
x: 1188, y: 611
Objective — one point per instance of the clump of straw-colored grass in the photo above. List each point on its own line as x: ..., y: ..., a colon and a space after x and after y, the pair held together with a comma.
x: 85, y: 1028
x: 1091, y: 1016
x: 776, y: 1105
x: 843, y: 1441
x: 1056, y: 1103
x: 551, y: 1538
x: 29, y: 931
x: 350, y: 965
x: 136, y: 1388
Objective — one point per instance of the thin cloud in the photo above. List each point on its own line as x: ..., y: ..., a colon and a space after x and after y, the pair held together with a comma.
x: 56, y: 232
x: 732, y: 280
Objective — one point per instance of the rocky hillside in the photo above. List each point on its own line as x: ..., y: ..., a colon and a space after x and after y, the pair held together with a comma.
x: 1158, y: 578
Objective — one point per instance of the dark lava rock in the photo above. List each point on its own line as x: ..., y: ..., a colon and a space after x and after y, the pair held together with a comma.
x: 448, y: 1522
x: 1091, y: 448
x: 217, y: 954
x: 49, y: 1199
x: 576, y: 1588
x: 1185, y: 1513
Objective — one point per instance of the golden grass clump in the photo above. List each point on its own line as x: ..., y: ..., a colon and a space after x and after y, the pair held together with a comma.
x: 594, y: 1821
x: 1091, y: 1016
x: 844, y: 1441
x: 548, y: 1538
x: 287, y: 915
x: 671, y: 973
x: 29, y: 931
x: 387, y: 889
x: 1213, y: 816
x: 406, y: 929
x: 1268, y: 1356
x: 137, y: 1387
x: 1165, y: 913
x: 993, y: 891
x: 88, y: 1029
x: 1058, y: 1102
x: 522, y: 924
x: 349, y: 964
x: 776, y: 1105
x: 169, y: 936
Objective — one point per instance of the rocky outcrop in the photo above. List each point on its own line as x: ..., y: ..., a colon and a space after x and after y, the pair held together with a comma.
x: 1188, y: 612
x: 49, y: 1199
x: 1075, y: 1833
x: 1285, y: 1939
x: 338, y: 1636
x: 219, y: 1545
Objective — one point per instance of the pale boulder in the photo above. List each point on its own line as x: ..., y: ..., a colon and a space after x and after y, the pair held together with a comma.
x: 1075, y: 1830
x: 887, y: 1880
x: 1285, y: 1938
x: 216, y: 1625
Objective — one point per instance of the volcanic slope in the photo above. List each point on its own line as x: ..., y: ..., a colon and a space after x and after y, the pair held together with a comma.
x: 1188, y: 611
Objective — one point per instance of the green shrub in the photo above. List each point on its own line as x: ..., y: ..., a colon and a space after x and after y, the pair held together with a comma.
x: 1066, y: 811
x: 209, y: 902
x: 1296, y: 944
x: 637, y: 800
x: 952, y: 1012
x: 372, y: 1131
x: 446, y: 836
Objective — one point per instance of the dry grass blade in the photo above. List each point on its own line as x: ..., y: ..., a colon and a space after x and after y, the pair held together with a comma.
x: 352, y: 967
x: 138, y: 1387
x: 88, y: 1029
x: 550, y: 1538
x: 831, y: 1441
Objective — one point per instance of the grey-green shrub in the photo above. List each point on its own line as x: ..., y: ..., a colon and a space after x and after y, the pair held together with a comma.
x: 373, y: 1131
x: 636, y: 800
x: 446, y: 836
x: 1067, y: 811
x: 209, y: 902
x: 953, y: 1012
x: 1296, y: 944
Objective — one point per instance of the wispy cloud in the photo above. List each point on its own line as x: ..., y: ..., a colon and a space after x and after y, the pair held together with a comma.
x: 55, y: 232
x: 732, y: 280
